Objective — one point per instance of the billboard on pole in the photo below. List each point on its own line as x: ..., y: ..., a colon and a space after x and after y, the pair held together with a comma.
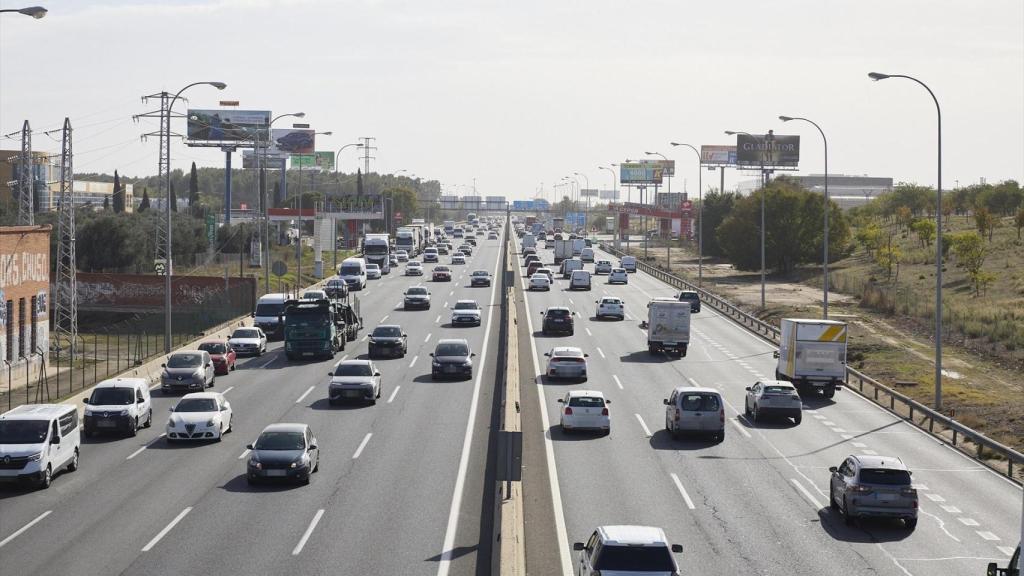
x: 292, y: 141
x: 589, y: 192
x: 227, y: 125
x: 715, y: 155
x: 755, y: 150
x: 271, y: 161
x: 324, y: 160
x: 608, y: 194
x: 640, y: 173
x: 668, y: 167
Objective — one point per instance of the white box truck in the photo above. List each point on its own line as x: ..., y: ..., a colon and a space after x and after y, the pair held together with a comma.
x: 529, y: 241
x: 668, y: 326
x: 407, y: 238
x: 563, y: 250
x: 812, y: 355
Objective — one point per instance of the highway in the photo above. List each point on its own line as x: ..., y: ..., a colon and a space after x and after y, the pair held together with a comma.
x: 399, y: 488
x: 754, y: 504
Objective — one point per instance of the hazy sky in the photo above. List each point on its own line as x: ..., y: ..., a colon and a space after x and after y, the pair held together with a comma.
x: 521, y: 93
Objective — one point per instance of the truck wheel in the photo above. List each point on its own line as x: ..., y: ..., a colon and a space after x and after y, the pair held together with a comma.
x: 652, y: 350
x: 682, y: 351
x: 829, y: 391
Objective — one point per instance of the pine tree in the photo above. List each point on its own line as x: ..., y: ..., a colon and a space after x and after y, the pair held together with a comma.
x: 173, y: 199
x: 118, y: 197
x: 359, y: 182
x: 144, y: 204
x: 106, y: 203
x: 193, y: 187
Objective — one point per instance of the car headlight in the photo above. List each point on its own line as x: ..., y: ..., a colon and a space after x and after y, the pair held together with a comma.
x: 210, y: 422
x: 255, y: 463
x: 35, y: 457
x: 435, y: 363
x: 171, y: 423
x: 198, y: 375
x: 88, y: 412
x: 124, y: 412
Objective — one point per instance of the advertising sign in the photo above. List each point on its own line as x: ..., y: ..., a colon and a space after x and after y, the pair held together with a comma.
x: 754, y: 150
x: 589, y: 192
x: 227, y: 125
x: 715, y: 155
x: 321, y: 159
x: 640, y: 173
x: 635, y: 209
x: 292, y: 141
x: 273, y: 161
x: 608, y: 194
x: 668, y: 167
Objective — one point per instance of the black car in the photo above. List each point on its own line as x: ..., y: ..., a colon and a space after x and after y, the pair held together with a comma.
x: 471, y: 240
x: 416, y: 297
x: 557, y: 319
x: 388, y: 340
x: 336, y: 288
x: 452, y: 358
x: 530, y: 258
x: 283, y: 452
x: 692, y: 297
x: 480, y: 278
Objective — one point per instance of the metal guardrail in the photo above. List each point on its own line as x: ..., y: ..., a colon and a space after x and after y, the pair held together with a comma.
x: 896, y: 403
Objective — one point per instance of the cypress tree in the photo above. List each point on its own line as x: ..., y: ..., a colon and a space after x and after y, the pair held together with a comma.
x: 144, y: 204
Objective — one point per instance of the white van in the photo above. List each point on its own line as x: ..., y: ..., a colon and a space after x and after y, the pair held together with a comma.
x: 569, y: 265
x: 695, y: 410
x: 267, y: 316
x: 587, y: 255
x: 580, y: 280
x: 37, y: 441
x: 628, y: 263
x: 118, y: 405
x: 353, y: 272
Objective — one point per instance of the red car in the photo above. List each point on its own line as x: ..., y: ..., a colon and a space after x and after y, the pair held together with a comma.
x: 222, y: 354
x: 442, y: 274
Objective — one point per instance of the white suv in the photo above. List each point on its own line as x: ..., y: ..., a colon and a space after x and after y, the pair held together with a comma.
x: 610, y: 306
x: 627, y: 550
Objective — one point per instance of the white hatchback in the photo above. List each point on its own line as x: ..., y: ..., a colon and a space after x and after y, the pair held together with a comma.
x: 414, y: 268
x: 567, y: 362
x: 540, y: 282
x: 200, y: 416
x: 618, y: 276
x: 585, y: 410
x: 609, y: 306
x: 603, y: 267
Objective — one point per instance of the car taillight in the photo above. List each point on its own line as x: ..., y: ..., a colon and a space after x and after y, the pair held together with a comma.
x: 568, y: 411
x: 721, y: 416
x: 909, y: 491
x: 604, y: 412
x: 861, y: 489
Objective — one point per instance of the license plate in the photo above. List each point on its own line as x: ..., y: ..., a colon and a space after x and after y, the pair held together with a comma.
x: 670, y: 343
x: 449, y: 368
x: 277, y: 472
x: 106, y: 424
x: 307, y: 353
x: 350, y: 393
x: 886, y: 497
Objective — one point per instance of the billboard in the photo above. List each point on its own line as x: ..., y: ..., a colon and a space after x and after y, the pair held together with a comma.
x: 292, y: 141
x: 529, y: 205
x: 272, y: 161
x: 752, y: 150
x: 227, y: 125
x: 640, y: 173
x: 496, y: 203
x: 668, y: 167
x: 715, y: 155
x: 324, y: 160
x: 589, y: 192
x: 450, y: 202
x: 575, y: 219
x: 608, y: 194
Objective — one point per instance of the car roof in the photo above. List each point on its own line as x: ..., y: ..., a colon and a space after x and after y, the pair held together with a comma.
x: 632, y: 536
x: 286, y: 427
x: 566, y: 351
x: 177, y: 352
x: 126, y: 382
x: 201, y: 396
x: 782, y: 383
x: 885, y: 462
x: 481, y: 273
x: 585, y: 393
x: 465, y: 301
x: 354, y: 362
x: 389, y: 326
x: 453, y: 341
x: 213, y: 341
x: 37, y: 411
x: 696, y: 389
x: 553, y: 308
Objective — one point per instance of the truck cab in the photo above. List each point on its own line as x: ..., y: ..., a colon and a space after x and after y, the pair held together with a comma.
x: 311, y: 329
x: 1012, y: 568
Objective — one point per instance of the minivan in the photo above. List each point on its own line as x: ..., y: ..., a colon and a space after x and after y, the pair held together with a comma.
x: 695, y: 410
x: 353, y: 272
x: 569, y: 265
x: 629, y: 263
x: 268, y: 315
x: 580, y: 280
x: 37, y: 441
x: 118, y: 405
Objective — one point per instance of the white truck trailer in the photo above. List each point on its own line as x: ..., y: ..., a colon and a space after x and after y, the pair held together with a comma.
x: 668, y: 326
x: 812, y: 355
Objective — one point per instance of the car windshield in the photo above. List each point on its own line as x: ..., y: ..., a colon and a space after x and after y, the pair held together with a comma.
x: 413, y: 264
x: 611, y: 301
x: 701, y: 402
x: 353, y: 370
x: 635, y: 559
x: 688, y: 296
x: 350, y: 270
x: 884, y: 476
x: 451, y: 350
x: 387, y: 332
x: 618, y: 270
x: 417, y: 292
x: 23, y: 431
x: 375, y: 249
x: 245, y: 334
x: 281, y: 441
x: 538, y: 276
x: 213, y: 347
x: 184, y: 361
x: 269, y: 309
x: 586, y: 402
x: 480, y: 273
x: 196, y: 405
x: 466, y: 306
x: 440, y: 268
x: 558, y: 313
x: 112, y: 396
x: 300, y: 320
x: 372, y: 267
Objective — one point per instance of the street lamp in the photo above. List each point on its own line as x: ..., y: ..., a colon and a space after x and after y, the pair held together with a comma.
x: 266, y: 201
x: 36, y: 12
x: 764, y: 184
x: 938, y: 237
x: 828, y: 206
x: 298, y: 244
x: 167, y: 209
x: 700, y: 213
x: 586, y: 220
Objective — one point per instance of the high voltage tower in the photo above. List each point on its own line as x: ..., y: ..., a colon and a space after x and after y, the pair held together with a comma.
x: 26, y: 180
x: 65, y: 305
x: 163, y: 169
x: 366, y: 153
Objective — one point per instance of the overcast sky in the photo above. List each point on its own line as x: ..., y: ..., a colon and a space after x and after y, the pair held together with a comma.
x: 518, y: 94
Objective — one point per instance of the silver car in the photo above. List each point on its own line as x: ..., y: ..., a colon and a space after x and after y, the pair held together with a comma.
x: 354, y: 380
x: 567, y: 362
x: 873, y: 486
x: 773, y: 398
x: 695, y: 410
x: 187, y: 371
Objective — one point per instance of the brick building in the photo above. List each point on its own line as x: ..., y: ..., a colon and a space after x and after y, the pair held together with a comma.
x: 24, y: 295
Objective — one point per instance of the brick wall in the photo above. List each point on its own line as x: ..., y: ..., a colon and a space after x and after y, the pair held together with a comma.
x: 24, y: 294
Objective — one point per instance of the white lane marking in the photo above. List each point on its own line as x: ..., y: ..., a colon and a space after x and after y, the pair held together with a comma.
x: 847, y: 436
x: 393, y: 394
x: 386, y: 316
x: 869, y: 452
x: 166, y: 529
x: 367, y: 293
x: 414, y: 359
x: 629, y: 316
x: 968, y: 521
x: 643, y: 425
x: 445, y: 303
x: 601, y: 352
x: 460, y: 478
x: 25, y: 527
x: 950, y: 509
x: 438, y: 319
x: 740, y: 427
x: 244, y: 454
x: 692, y: 381
x: 427, y: 339
x: 988, y: 536
x: 1008, y: 550
x: 362, y: 445
x: 806, y: 493
x: 345, y: 357
x: 819, y: 416
x: 148, y: 444
x: 838, y: 429
x: 934, y: 497
x: 919, y: 486
x: 155, y: 386
x: 304, y: 394
x: 228, y: 389
x: 588, y: 331
x: 682, y: 491
x: 617, y: 382
x: 452, y: 293
x: 858, y: 445
x: 308, y: 532
x: 828, y: 423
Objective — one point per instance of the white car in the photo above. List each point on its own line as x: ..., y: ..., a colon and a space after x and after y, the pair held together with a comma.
x: 587, y: 255
x: 430, y: 255
x: 611, y: 306
x: 314, y: 295
x: 603, y: 267
x: 414, y: 268
x: 373, y: 272
x: 540, y: 281
x: 402, y: 255
x: 567, y: 362
x: 618, y: 276
x: 200, y: 416
x: 354, y: 380
x: 585, y: 410
x: 249, y: 340
x: 466, y: 312
x: 773, y: 398
x: 458, y: 258
x: 547, y: 272
x: 642, y: 549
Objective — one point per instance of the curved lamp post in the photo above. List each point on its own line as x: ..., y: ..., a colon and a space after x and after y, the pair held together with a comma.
x: 36, y: 12
x: 700, y: 214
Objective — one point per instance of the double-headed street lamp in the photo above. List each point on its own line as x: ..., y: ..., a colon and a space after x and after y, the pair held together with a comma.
x: 764, y: 185
x: 266, y: 201
x: 298, y: 251
x: 938, y: 236
x: 828, y: 207
x: 586, y: 219
x: 700, y: 213
x: 168, y: 267
x: 36, y: 12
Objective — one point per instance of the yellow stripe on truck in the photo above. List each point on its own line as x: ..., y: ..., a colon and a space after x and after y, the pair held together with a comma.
x: 833, y: 334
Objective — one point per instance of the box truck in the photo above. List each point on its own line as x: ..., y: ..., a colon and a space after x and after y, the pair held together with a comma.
x: 812, y: 355
x: 668, y: 326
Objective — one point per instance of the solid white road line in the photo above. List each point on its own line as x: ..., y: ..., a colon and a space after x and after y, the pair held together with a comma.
x: 806, y: 493
x: 617, y: 382
x: 308, y: 532
x: 588, y: 331
x: 643, y: 425
x: 365, y: 337
x: 362, y: 445
x: 427, y: 339
x: 740, y: 427
x: 25, y: 527
x: 244, y: 454
x: 304, y: 394
x: 682, y: 491
x: 414, y: 359
x: 148, y: 444
x: 166, y: 529
x: 393, y: 394
x: 386, y: 316
x: 228, y: 389
x: 601, y: 352
x: 438, y: 319
x: 345, y: 357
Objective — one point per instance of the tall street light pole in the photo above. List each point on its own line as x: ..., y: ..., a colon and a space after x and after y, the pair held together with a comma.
x: 586, y: 219
x: 700, y: 213
x: 167, y: 214
x: 668, y: 240
x: 36, y: 12
x: 764, y: 184
x: 298, y: 243
x: 938, y: 237
x: 266, y: 199
x: 612, y: 172
x: 828, y: 208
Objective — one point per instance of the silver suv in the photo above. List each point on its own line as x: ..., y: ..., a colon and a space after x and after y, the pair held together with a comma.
x: 873, y: 486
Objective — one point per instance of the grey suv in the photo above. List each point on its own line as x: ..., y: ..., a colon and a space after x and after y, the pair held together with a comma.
x: 873, y: 486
